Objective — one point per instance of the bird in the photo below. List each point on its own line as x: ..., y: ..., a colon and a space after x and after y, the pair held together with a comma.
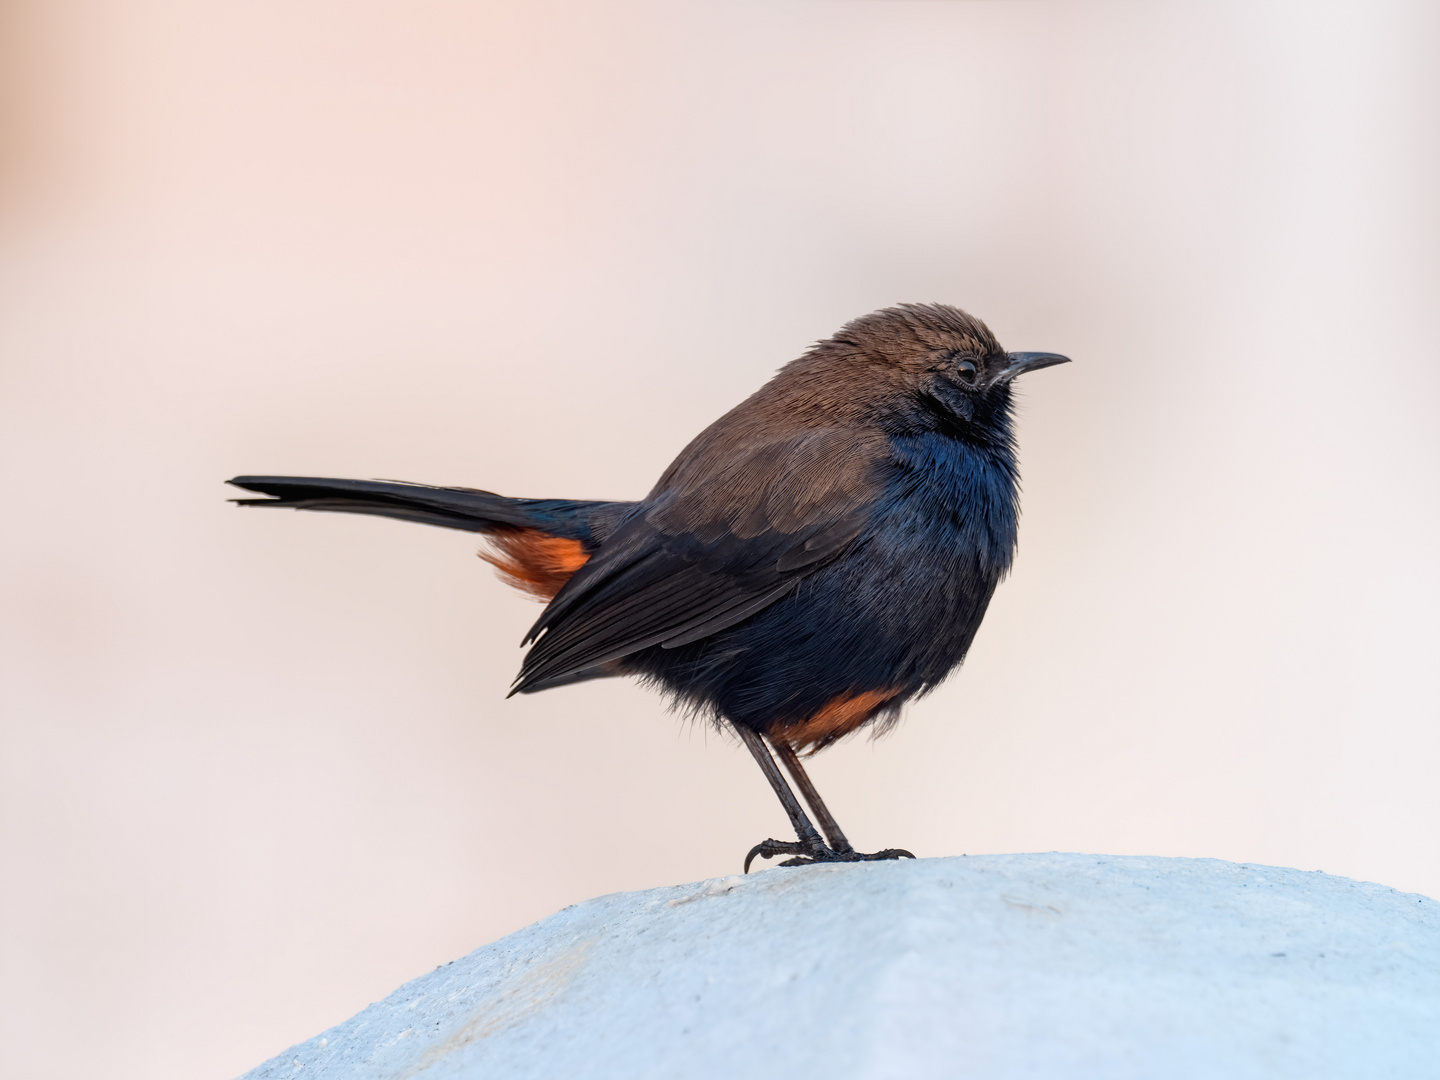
x: 814, y: 559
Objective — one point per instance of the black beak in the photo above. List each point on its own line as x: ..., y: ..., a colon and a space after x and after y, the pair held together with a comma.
x: 1021, y: 362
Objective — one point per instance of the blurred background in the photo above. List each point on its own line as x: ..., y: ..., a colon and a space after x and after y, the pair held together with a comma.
x: 258, y: 768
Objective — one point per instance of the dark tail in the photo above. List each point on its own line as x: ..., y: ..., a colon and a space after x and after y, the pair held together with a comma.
x: 451, y: 508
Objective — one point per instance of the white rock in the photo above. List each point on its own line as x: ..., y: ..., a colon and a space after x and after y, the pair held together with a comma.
x: 999, y: 966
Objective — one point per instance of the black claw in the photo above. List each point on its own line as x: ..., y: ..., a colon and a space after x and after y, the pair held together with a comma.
x: 768, y: 849
x: 889, y: 853
x: 808, y: 854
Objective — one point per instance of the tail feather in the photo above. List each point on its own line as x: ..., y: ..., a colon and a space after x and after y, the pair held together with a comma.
x: 448, y: 507
x: 451, y: 508
x: 537, y: 543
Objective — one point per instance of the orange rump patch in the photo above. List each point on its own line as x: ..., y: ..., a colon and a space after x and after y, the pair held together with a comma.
x: 837, y: 718
x: 533, y: 562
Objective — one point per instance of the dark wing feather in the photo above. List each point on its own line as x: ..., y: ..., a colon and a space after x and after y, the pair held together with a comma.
x: 714, y: 550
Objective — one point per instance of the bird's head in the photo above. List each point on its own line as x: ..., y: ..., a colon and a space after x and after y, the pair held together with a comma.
x: 944, y: 363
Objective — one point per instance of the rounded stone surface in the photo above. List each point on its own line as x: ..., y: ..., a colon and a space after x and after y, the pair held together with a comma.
x: 997, y: 966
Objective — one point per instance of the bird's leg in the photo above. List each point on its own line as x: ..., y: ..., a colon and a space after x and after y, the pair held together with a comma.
x: 809, y: 848
x: 828, y: 825
x: 809, y: 843
x: 838, y: 843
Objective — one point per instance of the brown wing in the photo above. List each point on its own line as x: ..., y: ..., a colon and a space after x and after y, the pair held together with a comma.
x: 724, y: 542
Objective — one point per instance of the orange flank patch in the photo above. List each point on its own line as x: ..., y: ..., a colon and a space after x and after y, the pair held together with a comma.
x: 837, y: 718
x: 533, y: 562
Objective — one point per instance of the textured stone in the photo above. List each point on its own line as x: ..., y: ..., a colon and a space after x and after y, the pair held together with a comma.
x: 1000, y: 966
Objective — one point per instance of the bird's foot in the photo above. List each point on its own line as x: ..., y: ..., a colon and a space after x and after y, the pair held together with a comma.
x: 806, y: 854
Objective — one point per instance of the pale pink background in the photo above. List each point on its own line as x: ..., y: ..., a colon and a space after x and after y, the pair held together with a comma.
x: 258, y: 768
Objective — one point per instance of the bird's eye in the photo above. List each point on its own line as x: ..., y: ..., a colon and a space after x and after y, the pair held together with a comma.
x: 966, y: 369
